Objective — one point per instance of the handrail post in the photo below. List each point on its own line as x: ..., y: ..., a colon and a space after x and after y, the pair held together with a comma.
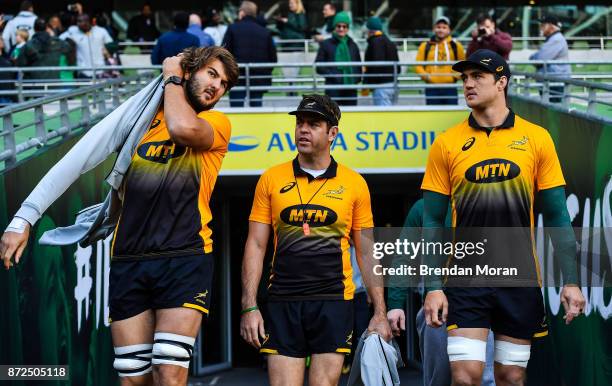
x: 395, y: 83
x: 20, y: 96
x: 247, y: 84
x: 592, y: 101
x: 64, y: 117
x: 39, y: 123
x: 9, y: 139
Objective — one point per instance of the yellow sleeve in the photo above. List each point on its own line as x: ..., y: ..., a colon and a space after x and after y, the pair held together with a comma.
x: 362, y: 207
x: 420, y: 57
x: 548, y: 173
x: 222, y: 129
x: 437, y: 171
x: 261, y: 210
x: 460, y: 52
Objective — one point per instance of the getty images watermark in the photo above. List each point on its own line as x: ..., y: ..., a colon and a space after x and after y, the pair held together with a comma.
x: 412, y: 250
x: 487, y: 257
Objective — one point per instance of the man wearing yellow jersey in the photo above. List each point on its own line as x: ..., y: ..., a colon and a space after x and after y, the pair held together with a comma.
x: 491, y: 166
x: 312, y: 205
x: 161, y: 269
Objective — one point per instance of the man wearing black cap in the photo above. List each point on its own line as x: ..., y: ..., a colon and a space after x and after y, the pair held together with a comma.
x: 491, y: 166
x: 553, y: 48
x: 313, y: 206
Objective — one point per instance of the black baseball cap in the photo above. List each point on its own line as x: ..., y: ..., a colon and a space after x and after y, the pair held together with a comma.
x: 486, y: 60
x: 552, y: 19
x: 316, y: 104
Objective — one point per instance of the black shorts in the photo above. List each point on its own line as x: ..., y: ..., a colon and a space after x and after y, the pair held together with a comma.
x: 514, y: 312
x: 168, y: 282
x: 304, y: 327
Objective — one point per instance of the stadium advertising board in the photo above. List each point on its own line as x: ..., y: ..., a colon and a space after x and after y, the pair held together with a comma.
x: 371, y: 142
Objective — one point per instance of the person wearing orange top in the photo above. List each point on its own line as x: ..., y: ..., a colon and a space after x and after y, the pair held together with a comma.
x: 161, y: 268
x: 313, y: 206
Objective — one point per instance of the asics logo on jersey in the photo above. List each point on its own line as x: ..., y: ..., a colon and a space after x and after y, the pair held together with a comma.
x: 492, y: 170
x: 155, y: 123
x: 468, y: 143
x: 161, y: 151
x: 287, y: 187
x: 314, y: 215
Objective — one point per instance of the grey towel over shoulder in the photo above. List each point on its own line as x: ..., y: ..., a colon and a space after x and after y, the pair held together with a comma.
x: 120, y: 131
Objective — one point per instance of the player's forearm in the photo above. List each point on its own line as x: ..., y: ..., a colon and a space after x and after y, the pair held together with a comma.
x: 178, y: 113
x: 557, y: 221
x: 374, y: 284
x: 377, y: 295
x: 434, y: 212
x: 252, y: 266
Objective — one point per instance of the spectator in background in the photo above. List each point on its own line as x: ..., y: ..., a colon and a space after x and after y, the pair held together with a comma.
x: 487, y: 36
x: 340, y: 48
x: 293, y: 26
x: 90, y: 42
x: 195, y: 28
x: 553, y: 48
x: 6, y: 78
x: 174, y: 42
x: 43, y: 50
x: 102, y: 20
x: 55, y: 25
x: 325, y: 32
x: 23, y: 21
x: 214, y: 26
x: 21, y: 38
x: 249, y: 42
x: 380, y: 49
x: 142, y: 27
x: 440, y: 48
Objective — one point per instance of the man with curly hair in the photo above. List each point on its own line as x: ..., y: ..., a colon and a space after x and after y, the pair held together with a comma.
x: 161, y: 269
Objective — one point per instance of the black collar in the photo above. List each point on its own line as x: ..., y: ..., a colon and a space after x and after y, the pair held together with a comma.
x: 331, y: 171
x: 507, y: 124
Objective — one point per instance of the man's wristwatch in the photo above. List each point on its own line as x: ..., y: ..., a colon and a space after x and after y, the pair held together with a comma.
x: 174, y: 80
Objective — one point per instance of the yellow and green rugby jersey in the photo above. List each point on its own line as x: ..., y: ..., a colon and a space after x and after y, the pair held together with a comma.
x: 317, y: 265
x: 167, y: 191
x: 492, y: 177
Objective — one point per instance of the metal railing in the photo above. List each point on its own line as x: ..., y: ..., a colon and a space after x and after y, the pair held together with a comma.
x: 274, y: 78
x: 584, y: 98
x: 28, y: 126
x: 403, y: 44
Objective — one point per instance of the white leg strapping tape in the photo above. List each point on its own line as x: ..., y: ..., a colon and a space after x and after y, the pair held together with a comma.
x: 512, y: 354
x: 134, y: 360
x: 172, y: 349
x: 466, y: 349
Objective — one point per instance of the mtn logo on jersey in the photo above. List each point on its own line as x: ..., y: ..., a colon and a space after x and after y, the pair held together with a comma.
x: 492, y: 170
x: 314, y: 215
x: 161, y: 151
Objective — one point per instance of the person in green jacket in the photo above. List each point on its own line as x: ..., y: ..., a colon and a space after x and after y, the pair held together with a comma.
x: 293, y: 26
x: 43, y: 50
